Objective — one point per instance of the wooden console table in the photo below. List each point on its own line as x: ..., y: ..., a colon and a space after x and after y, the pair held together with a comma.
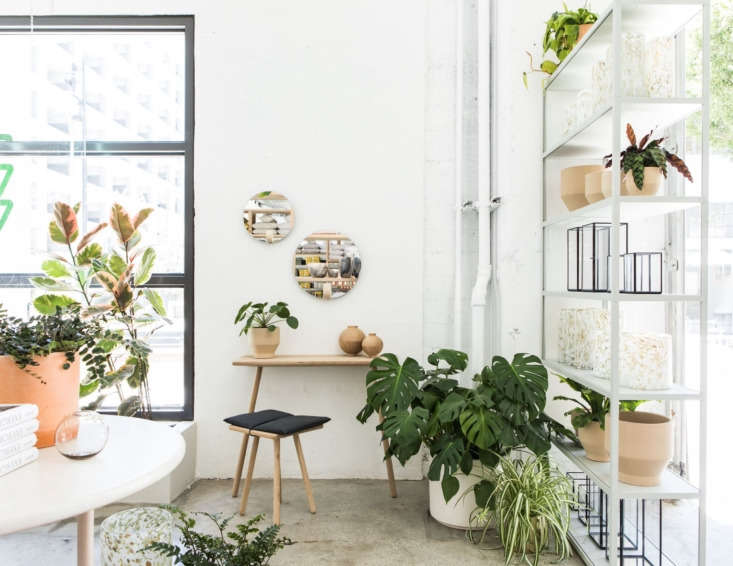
x: 301, y: 361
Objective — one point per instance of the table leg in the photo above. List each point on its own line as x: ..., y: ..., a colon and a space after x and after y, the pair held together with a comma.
x: 388, y: 463
x: 85, y: 539
x: 245, y: 439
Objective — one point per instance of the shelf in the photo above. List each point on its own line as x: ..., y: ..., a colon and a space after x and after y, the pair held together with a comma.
x: 593, y: 138
x: 672, y: 486
x: 622, y: 297
x: 653, y: 18
x: 631, y: 207
x: 603, y: 386
x: 306, y: 279
x: 269, y: 210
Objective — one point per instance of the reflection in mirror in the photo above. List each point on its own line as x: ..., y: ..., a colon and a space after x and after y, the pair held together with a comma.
x: 327, y: 265
x: 268, y: 217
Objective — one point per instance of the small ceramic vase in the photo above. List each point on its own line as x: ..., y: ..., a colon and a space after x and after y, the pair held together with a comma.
x: 372, y: 345
x: 350, y: 340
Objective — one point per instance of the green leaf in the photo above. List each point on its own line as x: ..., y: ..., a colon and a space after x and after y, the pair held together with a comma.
x: 46, y: 304
x: 524, y: 79
x: 523, y: 381
x: 56, y: 234
x: 155, y: 300
x: 480, y: 425
x: 450, y: 486
x: 120, y: 221
x: 51, y: 284
x: 447, y: 453
x: 90, y: 252
x: 88, y: 388
x: 117, y: 265
x: 482, y: 492
x: 292, y: 322
x: 54, y: 268
x: 403, y: 428
x: 146, y: 267
x: 449, y: 409
x: 129, y: 407
x: 107, y: 280
x: 390, y: 385
x: 548, y: 66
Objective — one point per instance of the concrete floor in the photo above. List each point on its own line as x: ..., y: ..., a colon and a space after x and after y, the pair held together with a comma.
x: 357, y: 524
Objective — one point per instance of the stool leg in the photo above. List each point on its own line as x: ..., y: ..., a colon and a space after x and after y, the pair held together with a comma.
x: 250, y: 469
x: 240, y: 465
x: 304, y: 471
x: 276, y: 484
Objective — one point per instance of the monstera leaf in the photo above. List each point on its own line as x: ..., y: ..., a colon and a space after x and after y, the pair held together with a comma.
x: 391, y: 386
x: 403, y: 429
x: 523, y: 382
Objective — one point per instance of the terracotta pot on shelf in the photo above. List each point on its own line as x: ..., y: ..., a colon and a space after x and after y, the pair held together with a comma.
x: 582, y: 30
x: 56, y: 391
x: 264, y: 342
x: 372, y: 345
x: 350, y: 340
x: 572, y: 185
x: 592, y: 437
x: 652, y: 182
x: 645, y: 444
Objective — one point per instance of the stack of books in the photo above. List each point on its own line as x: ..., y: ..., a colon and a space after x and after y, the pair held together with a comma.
x: 18, y: 424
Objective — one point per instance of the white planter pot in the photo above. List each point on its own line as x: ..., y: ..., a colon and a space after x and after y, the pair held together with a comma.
x: 456, y: 512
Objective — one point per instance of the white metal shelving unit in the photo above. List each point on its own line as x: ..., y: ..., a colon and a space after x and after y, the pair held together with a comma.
x: 603, y: 133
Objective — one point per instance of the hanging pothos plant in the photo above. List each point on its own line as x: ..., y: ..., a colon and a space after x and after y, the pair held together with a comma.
x: 106, y: 285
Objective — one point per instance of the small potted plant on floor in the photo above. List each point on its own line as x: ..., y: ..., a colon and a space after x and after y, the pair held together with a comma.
x: 40, y: 362
x: 530, y: 507
x: 260, y: 324
x: 107, y: 285
x: 589, y: 418
x: 643, y: 164
x: 464, y: 428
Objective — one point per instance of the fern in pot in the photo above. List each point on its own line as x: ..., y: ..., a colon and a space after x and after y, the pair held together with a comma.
x: 530, y: 508
x: 260, y: 324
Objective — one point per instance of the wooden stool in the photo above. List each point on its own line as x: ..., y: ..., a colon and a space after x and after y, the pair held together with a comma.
x: 273, y: 425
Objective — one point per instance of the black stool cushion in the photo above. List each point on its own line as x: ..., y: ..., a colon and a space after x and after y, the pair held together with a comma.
x: 291, y: 424
x: 253, y: 420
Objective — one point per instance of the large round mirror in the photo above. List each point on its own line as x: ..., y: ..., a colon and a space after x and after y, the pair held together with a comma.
x: 327, y: 265
x: 268, y: 217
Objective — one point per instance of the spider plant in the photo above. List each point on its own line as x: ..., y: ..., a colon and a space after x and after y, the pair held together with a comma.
x: 530, y: 506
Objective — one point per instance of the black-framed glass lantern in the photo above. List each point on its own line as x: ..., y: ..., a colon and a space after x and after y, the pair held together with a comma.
x: 642, y: 272
x: 589, y: 250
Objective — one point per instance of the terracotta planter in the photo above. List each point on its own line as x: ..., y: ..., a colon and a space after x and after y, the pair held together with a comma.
x: 645, y: 446
x: 572, y: 185
x: 350, y: 340
x: 264, y: 342
x: 652, y: 182
x: 593, y: 185
x: 582, y: 30
x: 592, y: 437
x: 372, y: 345
x: 56, y: 393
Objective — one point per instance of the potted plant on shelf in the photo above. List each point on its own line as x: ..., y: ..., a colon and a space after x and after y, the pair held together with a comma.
x: 39, y: 363
x: 464, y: 428
x: 129, y: 312
x: 563, y: 31
x: 589, y: 418
x: 260, y: 324
x: 530, y: 506
x: 643, y: 165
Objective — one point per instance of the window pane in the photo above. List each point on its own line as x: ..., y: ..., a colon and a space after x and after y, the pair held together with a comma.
x: 117, y: 86
x: 135, y: 182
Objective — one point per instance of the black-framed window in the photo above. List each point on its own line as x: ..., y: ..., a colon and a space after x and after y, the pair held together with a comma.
x: 97, y: 110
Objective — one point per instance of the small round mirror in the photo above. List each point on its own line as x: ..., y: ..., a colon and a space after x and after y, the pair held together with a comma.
x: 268, y: 217
x: 327, y: 265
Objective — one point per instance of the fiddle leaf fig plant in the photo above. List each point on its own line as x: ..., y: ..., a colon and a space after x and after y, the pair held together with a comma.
x: 457, y: 424
x: 593, y: 408
x: 106, y: 286
x: 647, y: 154
x: 258, y: 315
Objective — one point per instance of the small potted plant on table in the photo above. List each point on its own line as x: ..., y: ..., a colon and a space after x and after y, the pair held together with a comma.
x: 260, y: 324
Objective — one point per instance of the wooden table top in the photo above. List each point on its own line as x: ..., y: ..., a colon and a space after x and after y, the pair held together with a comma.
x: 304, y: 360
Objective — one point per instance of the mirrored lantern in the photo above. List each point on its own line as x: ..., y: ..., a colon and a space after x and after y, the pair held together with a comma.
x: 268, y: 217
x: 642, y: 272
x: 589, y: 250
x: 327, y: 265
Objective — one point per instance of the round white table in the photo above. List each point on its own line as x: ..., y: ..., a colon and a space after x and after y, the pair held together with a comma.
x: 138, y: 453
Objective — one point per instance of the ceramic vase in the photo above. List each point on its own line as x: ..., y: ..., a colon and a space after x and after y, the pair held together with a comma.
x: 572, y: 185
x: 372, y: 345
x: 264, y: 342
x: 350, y: 340
x: 645, y: 446
x: 592, y: 437
x: 54, y: 389
x: 593, y: 185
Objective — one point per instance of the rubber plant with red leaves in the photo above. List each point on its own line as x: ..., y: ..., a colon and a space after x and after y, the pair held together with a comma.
x: 107, y: 285
x: 647, y: 154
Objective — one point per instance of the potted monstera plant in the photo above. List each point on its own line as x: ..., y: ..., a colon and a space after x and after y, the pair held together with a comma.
x: 106, y: 284
x: 463, y: 428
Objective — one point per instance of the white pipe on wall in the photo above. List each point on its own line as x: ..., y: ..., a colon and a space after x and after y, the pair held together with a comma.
x: 479, y: 294
x: 458, y: 183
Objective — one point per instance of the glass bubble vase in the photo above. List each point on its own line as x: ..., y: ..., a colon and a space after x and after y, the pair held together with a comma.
x: 81, y: 435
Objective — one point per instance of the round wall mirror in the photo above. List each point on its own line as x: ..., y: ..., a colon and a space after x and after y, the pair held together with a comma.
x: 268, y: 217
x: 327, y: 265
